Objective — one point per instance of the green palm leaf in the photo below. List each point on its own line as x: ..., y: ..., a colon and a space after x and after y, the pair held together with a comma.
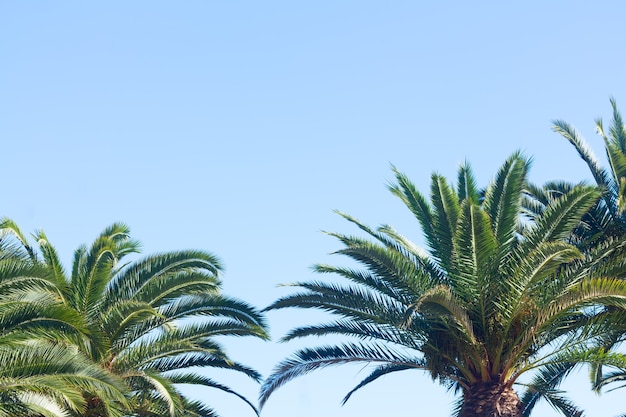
x: 307, y: 360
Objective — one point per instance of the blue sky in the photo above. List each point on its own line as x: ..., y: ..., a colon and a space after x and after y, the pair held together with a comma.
x: 237, y: 127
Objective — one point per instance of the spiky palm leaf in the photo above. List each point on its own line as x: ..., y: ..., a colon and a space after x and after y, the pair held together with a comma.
x: 606, y: 219
x: 605, y: 222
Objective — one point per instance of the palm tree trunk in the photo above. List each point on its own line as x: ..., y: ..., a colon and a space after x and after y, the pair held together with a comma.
x: 95, y: 407
x: 491, y: 399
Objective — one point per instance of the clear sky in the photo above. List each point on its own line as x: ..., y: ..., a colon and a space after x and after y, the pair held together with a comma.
x: 238, y: 126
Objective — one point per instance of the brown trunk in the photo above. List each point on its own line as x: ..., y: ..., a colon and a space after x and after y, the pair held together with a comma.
x: 95, y: 407
x: 491, y: 399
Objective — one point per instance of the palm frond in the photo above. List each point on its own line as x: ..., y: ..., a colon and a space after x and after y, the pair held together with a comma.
x: 406, y: 191
x: 545, y: 384
x: 475, y: 248
x: 165, y: 391
x: 571, y: 135
x: 503, y: 199
x: 561, y: 216
x: 413, y: 337
x: 197, y: 379
x: 346, y: 301
x: 23, y: 249
x: 445, y: 216
x: 466, y: 187
x: 52, y: 261
x: 307, y: 360
x: 134, y: 280
x: 379, y: 371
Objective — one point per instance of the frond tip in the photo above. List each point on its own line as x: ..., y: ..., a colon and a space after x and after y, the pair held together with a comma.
x: 308, y: 360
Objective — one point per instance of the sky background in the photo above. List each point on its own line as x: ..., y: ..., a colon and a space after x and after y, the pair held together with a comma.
x: 238, y: 127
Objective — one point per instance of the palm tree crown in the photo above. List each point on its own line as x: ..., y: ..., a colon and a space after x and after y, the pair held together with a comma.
x: 494, y: 297
x: 43, y: 373
x: 151, y: 322
x: 603, y: 224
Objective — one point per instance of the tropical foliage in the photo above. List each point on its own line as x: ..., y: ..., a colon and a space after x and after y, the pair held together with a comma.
x: 144, y: 326
x: 606, y: 219
x: 604, y: 223
x: 495, y: 294
x: 518, y: 284
x: 43, y: 372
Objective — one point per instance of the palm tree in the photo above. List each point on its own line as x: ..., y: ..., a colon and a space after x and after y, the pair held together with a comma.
x: 604, y: 223
x: 151, y: 322
x: 41, y: 374
x: 494, y: 297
